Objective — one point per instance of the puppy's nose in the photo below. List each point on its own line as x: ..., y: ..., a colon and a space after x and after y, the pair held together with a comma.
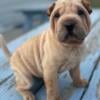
x: 70, y: 26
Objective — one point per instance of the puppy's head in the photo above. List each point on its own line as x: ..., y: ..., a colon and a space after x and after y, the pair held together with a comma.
x: 70, y: 21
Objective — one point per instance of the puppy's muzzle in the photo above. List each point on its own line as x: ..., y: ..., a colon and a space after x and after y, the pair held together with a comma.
x: 73, y: 30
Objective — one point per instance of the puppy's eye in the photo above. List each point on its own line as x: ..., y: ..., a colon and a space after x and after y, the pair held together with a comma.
x: 57, y: 15
x: 80, y: 12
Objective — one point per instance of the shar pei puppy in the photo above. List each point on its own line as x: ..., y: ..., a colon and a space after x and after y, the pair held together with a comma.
x: 58, y: 48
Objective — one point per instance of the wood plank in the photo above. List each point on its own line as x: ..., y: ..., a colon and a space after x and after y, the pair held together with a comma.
x: 65, y: 82
x: 8, y: 92
x: 93, y: 91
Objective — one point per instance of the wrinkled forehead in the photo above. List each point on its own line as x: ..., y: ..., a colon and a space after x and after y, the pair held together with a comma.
x: 69, y: 4
x: 67, y: 1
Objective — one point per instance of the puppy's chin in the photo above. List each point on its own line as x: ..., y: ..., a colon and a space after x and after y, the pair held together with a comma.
x: 74, y: 41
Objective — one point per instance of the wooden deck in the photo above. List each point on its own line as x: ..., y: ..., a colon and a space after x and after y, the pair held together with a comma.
x: 90, y: 69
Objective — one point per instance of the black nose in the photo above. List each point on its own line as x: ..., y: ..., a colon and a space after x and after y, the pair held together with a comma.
x: 70, y: 26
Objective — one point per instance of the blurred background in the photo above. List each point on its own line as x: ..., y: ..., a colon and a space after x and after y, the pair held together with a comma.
x: 17, y: 17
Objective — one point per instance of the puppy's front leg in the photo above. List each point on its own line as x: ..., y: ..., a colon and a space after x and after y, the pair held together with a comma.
x: 77, y: 81
x: 50, y: 78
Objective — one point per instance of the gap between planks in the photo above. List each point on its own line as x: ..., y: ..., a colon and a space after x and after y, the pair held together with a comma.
x: 92, y: 73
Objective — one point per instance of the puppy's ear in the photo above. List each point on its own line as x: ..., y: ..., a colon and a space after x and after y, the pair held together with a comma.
x: 87, y: 5
x: 50, y: 9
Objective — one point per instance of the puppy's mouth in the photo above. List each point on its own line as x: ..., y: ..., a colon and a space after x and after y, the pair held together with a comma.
x: 72, y: 38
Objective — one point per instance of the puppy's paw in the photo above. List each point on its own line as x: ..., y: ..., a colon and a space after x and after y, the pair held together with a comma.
x: 54, y: 98
x: 80, y: 83
x: 28, y: 96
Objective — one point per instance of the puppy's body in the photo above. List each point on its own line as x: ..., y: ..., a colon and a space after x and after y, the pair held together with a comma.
x: 57, y: 49
x: 32, y: 54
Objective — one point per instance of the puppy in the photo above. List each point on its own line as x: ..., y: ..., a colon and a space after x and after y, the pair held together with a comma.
x: 57, y: 49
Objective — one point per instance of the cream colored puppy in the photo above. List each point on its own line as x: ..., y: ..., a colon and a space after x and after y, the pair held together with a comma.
x: 57, y: 49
